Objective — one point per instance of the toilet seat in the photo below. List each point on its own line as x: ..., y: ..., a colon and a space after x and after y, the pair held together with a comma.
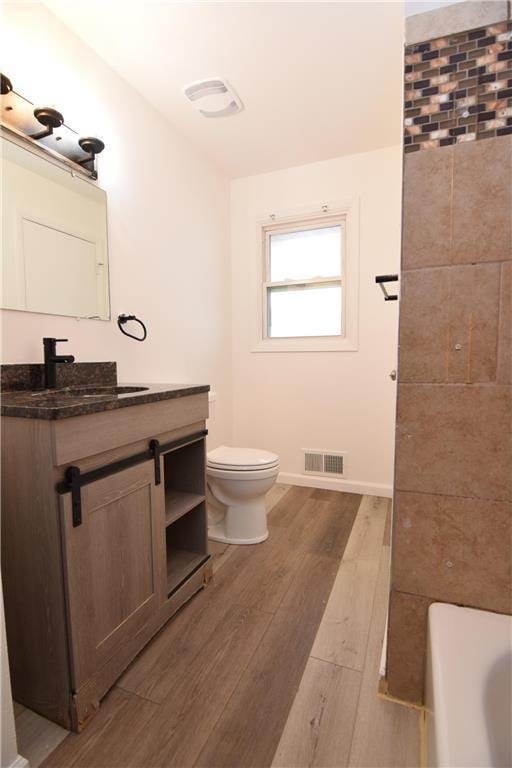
x: 241, y: 459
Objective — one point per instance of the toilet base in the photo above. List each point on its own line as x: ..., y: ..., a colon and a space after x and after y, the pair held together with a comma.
x: 215, y: 533
x: 237, y: 499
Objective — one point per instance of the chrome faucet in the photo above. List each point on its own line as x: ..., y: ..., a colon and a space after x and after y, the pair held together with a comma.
x: 51, y: 358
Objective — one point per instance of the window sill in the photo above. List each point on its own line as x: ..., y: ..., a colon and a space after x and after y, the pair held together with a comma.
x: 306, y: 345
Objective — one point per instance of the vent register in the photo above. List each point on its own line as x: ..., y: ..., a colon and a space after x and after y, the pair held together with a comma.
x: 323, y: 462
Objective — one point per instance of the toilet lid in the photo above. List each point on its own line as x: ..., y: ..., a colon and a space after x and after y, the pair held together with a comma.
x: 226, y: 457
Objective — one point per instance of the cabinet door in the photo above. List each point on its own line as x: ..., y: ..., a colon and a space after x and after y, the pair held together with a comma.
x: 115, y: 565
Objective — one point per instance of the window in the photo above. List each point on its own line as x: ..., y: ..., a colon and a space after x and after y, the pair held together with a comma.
x: 308, y: 275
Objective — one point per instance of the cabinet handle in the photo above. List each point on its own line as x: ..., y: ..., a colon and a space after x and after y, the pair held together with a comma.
x: 154, y: 448
x: 73, y: 479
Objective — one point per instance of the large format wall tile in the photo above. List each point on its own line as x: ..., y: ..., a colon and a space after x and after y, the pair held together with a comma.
x: 454, y: 549
x: 487, y: 555
x: 482, y: 201
x: 406, y: 646
x: 426, y: 209
x: 427, y: 534
x: 505, y: 331
x: 474, y: 315
x: 424, y: 324
x: 449, y: 324
x: 454, y: 439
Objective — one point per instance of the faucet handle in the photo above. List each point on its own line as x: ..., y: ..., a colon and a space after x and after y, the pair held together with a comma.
x: 61, y: 340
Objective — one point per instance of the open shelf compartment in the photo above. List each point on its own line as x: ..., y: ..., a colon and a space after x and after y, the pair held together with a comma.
x: 187, y: 546
x: 184, y: 478
x: 185, y: 512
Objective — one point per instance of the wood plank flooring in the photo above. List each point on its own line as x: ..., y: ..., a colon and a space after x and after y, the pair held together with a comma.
x: 337, y: 719
x: 37, y: 737
x: 275, y: 663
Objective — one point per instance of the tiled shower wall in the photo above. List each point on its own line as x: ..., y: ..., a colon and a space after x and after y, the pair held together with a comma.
x: 458, y: 88
x: 452, y: 529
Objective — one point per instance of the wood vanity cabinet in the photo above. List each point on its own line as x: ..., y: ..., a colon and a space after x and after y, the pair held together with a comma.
x: 82, y: 598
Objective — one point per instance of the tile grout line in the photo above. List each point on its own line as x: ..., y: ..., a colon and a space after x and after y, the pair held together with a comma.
x: 455, y: 496
x: 444, y: 600
x: 500, y: 318
x: 454, y: 265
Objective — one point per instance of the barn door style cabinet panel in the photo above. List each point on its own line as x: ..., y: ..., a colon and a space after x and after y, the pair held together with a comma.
x: 104, y: 537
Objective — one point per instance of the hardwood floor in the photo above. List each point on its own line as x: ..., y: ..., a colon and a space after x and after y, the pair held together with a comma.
x: 337, y: 719
x: 275, y: 663
x: 37, y: 737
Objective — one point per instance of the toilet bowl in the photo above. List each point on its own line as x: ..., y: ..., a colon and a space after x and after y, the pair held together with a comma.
x: 238, y: 480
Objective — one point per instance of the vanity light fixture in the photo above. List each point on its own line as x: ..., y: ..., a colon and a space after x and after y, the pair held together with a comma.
x: 214, y: 97
x: 20, y: 117
x: 6, y: 85
x: 48, y: 117
x: 92, y: 146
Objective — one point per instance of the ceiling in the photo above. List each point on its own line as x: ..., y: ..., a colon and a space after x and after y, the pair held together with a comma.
x: 318, y: 80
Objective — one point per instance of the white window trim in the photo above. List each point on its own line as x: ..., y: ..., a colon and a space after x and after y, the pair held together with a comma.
x: 348, y: 342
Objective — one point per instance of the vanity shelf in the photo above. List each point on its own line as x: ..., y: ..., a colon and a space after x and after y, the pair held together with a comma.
x: 180, y: 565
x: 186, y: 546
x: 178, y: 503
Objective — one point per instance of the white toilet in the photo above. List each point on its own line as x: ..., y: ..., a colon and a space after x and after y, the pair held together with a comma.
x: 238, y: 480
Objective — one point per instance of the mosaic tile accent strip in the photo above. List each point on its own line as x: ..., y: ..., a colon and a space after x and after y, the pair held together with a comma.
x: 458, y: 88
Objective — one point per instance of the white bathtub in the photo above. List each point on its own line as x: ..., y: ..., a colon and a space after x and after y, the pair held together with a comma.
x: 468, y: 688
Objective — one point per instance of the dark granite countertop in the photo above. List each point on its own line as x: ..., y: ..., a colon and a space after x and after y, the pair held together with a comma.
x: 80, y: 401
x: 88, y: 388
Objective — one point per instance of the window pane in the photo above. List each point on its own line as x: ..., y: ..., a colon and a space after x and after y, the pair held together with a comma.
x: 310, y: 310
x: 307, y: 254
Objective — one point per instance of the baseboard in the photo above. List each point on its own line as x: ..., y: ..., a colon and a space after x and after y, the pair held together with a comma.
x: 336, y: 484
x: 19, y: 762
x: 384, y: 652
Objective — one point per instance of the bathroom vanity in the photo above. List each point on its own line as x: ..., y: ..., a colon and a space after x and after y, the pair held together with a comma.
x: 104, y: 530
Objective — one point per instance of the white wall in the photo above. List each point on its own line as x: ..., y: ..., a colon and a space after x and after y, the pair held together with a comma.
x: 336, y: 400
x: 168, y: 210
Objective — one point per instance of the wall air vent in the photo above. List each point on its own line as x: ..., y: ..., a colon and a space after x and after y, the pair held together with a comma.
x: 318, y: 462
x: 214, y: 97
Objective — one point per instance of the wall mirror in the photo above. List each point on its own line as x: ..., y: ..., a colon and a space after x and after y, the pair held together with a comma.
x: 54, y: 238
